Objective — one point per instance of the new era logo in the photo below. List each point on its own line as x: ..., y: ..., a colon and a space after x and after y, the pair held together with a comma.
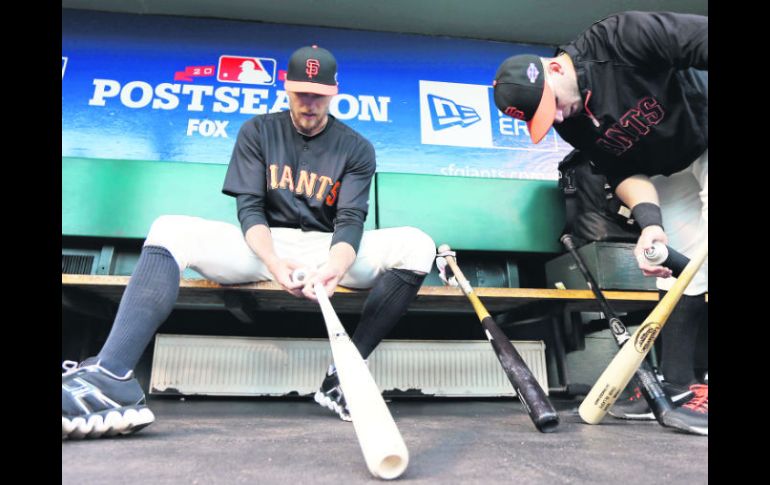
x: 454, y: 114
x: 445, y: 113
x: 246, y: 70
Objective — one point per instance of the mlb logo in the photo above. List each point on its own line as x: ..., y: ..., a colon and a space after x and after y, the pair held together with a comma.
x: 246, y: 70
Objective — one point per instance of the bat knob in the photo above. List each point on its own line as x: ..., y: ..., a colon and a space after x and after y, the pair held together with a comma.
x: 660, y: 254
x: 299, y: 275
x: 444, y: 248
x: 656, y: 254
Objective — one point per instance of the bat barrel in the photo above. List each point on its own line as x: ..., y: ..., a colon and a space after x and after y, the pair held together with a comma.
x: 546, y: 421
x: 390, y: 467
x: 528, y: 390
x: 381, y: 443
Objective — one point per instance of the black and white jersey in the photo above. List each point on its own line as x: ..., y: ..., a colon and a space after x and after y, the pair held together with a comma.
x: 318, y: 183
x: 637, y: 76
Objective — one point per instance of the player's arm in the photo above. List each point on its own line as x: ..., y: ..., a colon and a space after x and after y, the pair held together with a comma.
x: 260, y: 241
x: 341, y: 258
x: 352, y: 207
x: 638, y: 193
x: 245, y: 180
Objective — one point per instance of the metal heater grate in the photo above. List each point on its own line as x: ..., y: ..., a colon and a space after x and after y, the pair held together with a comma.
x: 77, y: 264
x: 241, y: 366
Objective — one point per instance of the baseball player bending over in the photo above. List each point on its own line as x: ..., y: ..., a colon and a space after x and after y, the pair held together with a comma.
x: 301, y: 179
x: 631, y: 92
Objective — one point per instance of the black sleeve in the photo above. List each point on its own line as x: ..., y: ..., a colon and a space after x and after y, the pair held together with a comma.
x: 353, y: 202
x: 251, y: 211
x: 655, y: 39
x: 246, y: 171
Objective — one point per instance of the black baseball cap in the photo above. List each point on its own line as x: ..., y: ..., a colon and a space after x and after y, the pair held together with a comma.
x: 312, y: 69
x: 522, y: 93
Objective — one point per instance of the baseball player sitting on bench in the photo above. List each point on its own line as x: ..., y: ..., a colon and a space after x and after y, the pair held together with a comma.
x: 301, y: 179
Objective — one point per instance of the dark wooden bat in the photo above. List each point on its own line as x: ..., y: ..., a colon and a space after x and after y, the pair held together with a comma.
x: 539, y: 408
x: 631, y: 355
x: 644, y: 378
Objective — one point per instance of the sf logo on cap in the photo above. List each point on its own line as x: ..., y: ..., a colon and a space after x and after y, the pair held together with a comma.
x: 311, y: 67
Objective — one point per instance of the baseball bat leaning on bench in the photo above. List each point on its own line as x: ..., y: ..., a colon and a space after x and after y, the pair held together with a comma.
x: 539, y: 408
x: 621, y: 369
x: 644, y: 378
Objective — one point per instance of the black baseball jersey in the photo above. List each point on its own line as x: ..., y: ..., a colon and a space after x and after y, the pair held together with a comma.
x: 636, y: 75
x: 285, y: 179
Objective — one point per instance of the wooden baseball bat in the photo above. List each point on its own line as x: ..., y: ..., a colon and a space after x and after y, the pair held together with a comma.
x: 644, y: 377
x: 531, y: 395
x: 383, y: 447
x: 618, y: 373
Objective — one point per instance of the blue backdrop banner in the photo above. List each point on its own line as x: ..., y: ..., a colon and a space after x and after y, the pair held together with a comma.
x: 177, y: 89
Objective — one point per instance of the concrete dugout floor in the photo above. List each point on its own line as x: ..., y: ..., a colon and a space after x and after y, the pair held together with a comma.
x: 225, y: 440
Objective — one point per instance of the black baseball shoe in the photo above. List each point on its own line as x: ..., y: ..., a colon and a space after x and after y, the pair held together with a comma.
x: 95, y: 402
x: 693, y: 416
x: 636, y: 407
x: 330, y: 395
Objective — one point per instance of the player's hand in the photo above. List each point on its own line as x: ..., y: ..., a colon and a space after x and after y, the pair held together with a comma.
x: 326, y: 275
x: 650, y: 234
x: 444, y: 271
x: 282, y: 270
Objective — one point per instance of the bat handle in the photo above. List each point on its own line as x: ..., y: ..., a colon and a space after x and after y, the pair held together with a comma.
x: 462, y: 281
x: 320, y: 293
x: 566, y: 239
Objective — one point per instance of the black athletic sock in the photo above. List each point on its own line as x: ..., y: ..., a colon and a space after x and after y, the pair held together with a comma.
x: 146, y: 303
x: 387, y: 302
x: 679, y: 338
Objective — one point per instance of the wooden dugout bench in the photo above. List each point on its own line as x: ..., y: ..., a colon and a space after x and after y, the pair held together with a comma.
x: 514, y: 222
x: 99, y: 295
